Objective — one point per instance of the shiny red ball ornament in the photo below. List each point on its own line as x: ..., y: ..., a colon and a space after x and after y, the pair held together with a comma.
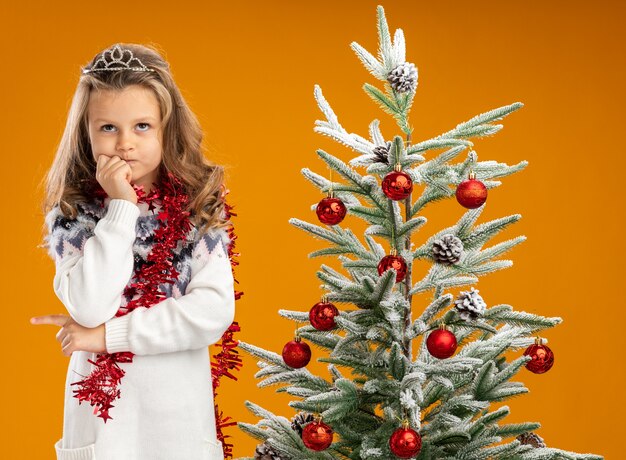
x: 471, y: 193
x: 393, y: 261
x: 317, y: 435
x: 441, y: 343
x: 322, y: 315
x: 543, y: 357
x: 330, y: 210
x: 405, y: 442
x: 397, y: 185
x: 296, y: 353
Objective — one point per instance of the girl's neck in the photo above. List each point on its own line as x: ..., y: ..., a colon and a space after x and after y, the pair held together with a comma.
x: 147, y: 188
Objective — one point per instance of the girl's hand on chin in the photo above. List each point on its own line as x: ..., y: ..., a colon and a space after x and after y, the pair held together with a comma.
x: 115, y: 175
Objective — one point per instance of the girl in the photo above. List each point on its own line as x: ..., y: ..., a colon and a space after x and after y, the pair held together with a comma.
x: 136, y: 226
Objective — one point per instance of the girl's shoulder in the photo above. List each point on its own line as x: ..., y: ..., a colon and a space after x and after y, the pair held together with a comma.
x: 87, y: 213
x: 63, y: 230
x: 210, y: 240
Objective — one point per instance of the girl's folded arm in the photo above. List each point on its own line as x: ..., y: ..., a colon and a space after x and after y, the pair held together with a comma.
x: 92, y: 272
x: 192, y: 321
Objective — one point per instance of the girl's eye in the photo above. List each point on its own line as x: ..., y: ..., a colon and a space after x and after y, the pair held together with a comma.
x: 142, y: 127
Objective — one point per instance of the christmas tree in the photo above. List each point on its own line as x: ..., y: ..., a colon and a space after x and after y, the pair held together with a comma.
x: 380, y: 401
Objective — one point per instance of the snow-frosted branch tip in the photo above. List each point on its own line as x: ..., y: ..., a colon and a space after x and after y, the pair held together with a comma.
x: 297, y: 316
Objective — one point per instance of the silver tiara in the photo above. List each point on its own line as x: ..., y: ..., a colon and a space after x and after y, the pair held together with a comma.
x: 117, y: 58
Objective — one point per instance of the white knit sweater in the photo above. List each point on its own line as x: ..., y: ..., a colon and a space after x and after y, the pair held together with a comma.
x: 165, y: 411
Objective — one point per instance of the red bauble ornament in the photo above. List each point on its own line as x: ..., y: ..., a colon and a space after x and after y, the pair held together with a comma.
x: 393, y: 261
x: 441, y: 343
x: 471, y: 193
x: 543, y: 357
x: 322, y: 315
x: 317, y: 435
x: 405, y: 442
x: 296, y: 353
x: 330, y: 210
x: 397, y: 185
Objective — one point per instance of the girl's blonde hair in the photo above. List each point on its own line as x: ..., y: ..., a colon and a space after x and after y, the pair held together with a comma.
x: 74, y: 166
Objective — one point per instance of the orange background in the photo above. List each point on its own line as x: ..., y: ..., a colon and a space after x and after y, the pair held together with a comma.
x: 248, y: 69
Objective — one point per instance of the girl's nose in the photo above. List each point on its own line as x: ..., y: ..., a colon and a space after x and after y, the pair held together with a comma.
x: 124, y: 142
x: 124, y: 148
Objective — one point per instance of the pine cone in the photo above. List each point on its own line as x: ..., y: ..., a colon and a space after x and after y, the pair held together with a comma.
x: 532, y: 439
x: 266, y: 452
x: 403, y: 78
x: 301, y: 419
x: 382, y: 153
x: 447, y: 249
x: 470, y: 305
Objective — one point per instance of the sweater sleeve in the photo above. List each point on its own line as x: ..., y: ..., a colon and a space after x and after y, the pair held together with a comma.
x: 195, y: 320
x: 93, y: 267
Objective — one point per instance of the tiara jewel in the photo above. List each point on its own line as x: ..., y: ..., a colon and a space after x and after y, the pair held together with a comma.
x: 117, y: 58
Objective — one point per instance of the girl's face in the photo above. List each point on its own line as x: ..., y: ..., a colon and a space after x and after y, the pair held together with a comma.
x: 127, y: 124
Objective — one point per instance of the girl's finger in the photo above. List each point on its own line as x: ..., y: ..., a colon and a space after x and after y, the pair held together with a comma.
x: 59, y: 320
x: 61, y: 334
x: 112, y: 161
x: 47, y: 319
x: 123, y: 166
x: 102, y: 160
x: 66, y: 350
x: 103, y: 164
x: 66, y: 342
x: 120, y: 164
